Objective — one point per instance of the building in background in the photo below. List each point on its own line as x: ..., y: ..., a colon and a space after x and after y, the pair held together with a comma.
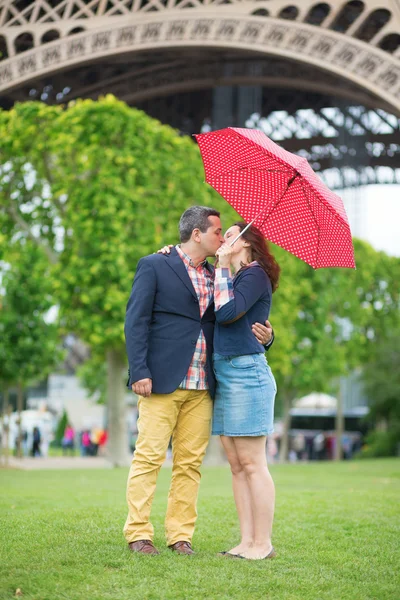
x: 64, y: 391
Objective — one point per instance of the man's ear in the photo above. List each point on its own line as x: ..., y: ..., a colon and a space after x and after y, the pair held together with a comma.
x: 196, y: 237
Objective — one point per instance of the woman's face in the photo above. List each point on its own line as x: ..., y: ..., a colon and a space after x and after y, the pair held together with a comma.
x: 230, y: 235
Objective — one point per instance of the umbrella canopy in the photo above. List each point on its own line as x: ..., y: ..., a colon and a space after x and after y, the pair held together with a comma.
x: 280, y: 192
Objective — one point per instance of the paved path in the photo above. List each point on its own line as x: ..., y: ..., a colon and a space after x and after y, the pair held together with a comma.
x: 58, y: 462
x: 62, y: 462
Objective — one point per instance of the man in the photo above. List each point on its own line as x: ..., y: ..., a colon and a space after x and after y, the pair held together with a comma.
x: 169, y: 338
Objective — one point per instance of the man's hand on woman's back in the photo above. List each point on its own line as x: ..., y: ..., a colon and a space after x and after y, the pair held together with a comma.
x: 263, y: 333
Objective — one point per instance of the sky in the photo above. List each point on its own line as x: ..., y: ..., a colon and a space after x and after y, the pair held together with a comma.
x: 374, y: 215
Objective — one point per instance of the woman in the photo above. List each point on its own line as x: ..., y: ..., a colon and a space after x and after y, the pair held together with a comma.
x: 246, y: 389
x: 68, y: 441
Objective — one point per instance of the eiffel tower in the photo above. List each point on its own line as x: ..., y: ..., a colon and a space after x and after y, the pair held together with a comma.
x: 321, y: 78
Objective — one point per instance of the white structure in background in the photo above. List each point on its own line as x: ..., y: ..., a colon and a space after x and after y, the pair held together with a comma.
x: 64, y: 392
x: 318, y: 404
x: 355, y: 203
x: 317, y: 401
x: 43, y: 419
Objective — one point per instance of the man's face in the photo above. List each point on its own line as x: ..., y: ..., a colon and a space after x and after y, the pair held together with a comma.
x: 212, y: 239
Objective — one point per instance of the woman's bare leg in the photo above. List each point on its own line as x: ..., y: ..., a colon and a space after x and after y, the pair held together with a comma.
x: 251, y: 454
x: 241, y: 493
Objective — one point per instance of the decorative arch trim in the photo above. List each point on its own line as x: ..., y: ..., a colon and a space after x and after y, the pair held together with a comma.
x: 366, y: 66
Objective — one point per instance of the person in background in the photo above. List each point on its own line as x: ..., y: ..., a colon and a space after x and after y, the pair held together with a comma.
x: 319, y: 446
x: 36, y: 439
x: 272, y: 449
x: 103, y: 437
x: 86, y: 443
x: 25, y: 450
x: 299, y: 445
x: 95, y: 435
x: 68, y: 441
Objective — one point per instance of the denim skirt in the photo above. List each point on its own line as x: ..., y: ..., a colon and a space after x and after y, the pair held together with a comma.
x: 245, y: 397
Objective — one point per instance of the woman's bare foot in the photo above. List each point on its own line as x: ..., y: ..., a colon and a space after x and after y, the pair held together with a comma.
x: 240, y: 548
x: 258, y: 552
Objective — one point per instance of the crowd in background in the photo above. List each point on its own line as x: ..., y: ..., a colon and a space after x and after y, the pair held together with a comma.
x: 90, y: 442
x: 304, y: 445
x: 314, y: 445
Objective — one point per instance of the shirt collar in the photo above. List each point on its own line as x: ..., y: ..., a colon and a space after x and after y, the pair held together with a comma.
x: 187, y: 260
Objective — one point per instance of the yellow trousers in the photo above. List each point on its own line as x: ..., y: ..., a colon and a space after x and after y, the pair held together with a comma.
x: 186, y: 416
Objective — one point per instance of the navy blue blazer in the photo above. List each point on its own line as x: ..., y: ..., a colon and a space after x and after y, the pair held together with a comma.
x: 163, y: 324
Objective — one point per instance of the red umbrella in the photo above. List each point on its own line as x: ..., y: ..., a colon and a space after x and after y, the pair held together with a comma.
x: 280, y: 193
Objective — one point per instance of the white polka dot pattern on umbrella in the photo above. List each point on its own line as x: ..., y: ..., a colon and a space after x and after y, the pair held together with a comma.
x: 290, y: 204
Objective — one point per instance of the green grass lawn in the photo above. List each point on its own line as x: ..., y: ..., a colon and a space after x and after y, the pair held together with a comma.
x: 336, y: 535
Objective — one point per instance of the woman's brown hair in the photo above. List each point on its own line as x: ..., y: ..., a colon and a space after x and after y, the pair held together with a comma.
x: 260, y: 252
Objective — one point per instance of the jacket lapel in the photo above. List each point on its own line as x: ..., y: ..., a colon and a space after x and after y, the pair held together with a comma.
x: 176, y: 263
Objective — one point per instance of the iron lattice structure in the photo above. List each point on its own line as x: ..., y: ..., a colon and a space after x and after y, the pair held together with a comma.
x: 322, y: 78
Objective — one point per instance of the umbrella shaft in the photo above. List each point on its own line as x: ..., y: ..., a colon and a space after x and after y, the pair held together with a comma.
x: 242, y: 232
x: 251, y: 223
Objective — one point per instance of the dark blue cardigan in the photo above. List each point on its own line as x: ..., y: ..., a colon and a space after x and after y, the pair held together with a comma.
x: 252, y: 303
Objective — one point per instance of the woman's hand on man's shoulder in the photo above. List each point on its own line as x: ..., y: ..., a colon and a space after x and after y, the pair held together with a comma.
x: 165, y: 249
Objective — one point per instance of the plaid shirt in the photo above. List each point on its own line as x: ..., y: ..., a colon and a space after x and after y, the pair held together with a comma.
x: 223, y: 287
x: 202, y: 280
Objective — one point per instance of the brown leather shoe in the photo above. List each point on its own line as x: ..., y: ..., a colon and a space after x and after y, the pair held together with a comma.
x: 182, y: 548
x: 143, y: 547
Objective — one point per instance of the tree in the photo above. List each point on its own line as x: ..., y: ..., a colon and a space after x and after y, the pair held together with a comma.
x: 331, y: 321
x: 28, y: 343
x: 382, y: 385
x: 306, y: 356
x: 61, y: 425
x: 382, y: 380
x: 97, y: 186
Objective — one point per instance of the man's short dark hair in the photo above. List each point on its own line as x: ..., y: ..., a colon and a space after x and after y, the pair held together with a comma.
x: 195, y: 217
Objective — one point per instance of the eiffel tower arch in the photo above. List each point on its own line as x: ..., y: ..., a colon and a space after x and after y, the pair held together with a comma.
x: 322, y: 78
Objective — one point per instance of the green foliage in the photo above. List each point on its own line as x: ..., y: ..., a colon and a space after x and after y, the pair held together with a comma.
x: 61, y: 425
x: 330, y: 320
x: 98, y: 185
x: 128, y: 178
x: 382, y: 385
x: 370, y: 300
x: 110, y: 179
x: 382, y: 379
x: 382, y: 443
x: 28, y: 344
x: 307, y: 355
x: 93, y: 376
